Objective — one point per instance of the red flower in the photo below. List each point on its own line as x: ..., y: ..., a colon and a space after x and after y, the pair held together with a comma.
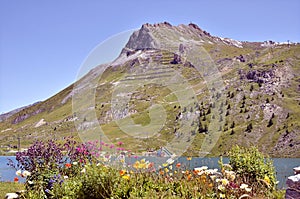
x: 16, y: 179
x: 68, y: 165
x: 178, y: 164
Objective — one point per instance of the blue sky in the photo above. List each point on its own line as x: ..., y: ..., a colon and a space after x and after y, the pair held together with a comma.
x: 44, y: 43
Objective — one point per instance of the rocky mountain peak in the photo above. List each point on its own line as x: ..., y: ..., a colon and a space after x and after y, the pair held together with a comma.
x: 156, y: 36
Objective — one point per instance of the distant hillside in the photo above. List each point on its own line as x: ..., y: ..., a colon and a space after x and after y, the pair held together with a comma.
x: 257, y: 102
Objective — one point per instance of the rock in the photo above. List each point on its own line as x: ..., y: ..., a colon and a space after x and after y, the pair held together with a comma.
x: 11, y: 196
x: 297, y: 170
x: 40, y: 123
x: 293, y: 183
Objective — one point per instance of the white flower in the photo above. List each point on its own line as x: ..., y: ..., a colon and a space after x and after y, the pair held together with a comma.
x: 244, y: 186
x: 66, y: 177
x: 26, y: 173
x: 248, y: 189
x: 30, y: 182
x: 83, y: 170
x: 75, y: 163
x: 211, y: 171
x: 19, y: 173
x: 221, y: 187
x: 198, y: 169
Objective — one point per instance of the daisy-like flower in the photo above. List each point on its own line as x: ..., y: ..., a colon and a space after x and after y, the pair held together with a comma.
x: 221, y: 187
x: 245, y: 187
x: 19, y: 173
x: 66, y: 177
x: 83, y: 170
x: 75, y: 163
x: 26, y: 173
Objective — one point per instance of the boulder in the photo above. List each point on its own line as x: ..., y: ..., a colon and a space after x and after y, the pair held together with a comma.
x: 293, y: 184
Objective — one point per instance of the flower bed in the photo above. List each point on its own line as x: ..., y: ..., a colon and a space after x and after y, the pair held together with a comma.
x: 72, y: 170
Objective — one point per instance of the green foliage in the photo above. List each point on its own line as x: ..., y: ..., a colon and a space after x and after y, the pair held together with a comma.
x: 253, y: 168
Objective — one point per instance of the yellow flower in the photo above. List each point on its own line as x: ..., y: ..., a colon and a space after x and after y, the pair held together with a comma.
x: 136, y: 165
x: 222, y: 195
x: 224, y: 181
x: 126, y: 177
x: 267, y: 179
x: 166, y: 170
x: 189, y: 158
x: 165, y: 164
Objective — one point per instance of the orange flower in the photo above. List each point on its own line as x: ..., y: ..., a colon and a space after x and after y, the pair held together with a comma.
x: 178, y: 164
x: 68, y: 165
x: 161, y: 172
x: 189, y: 158
x: 203, y: 178
x: 189, y: 177
x: 122, y: 172
x: 210, y: 185
x: 16, y: 179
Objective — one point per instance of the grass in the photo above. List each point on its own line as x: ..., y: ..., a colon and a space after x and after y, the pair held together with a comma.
x: 10, y: 187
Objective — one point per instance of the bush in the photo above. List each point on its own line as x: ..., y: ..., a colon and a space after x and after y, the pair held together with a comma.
x: 251, y: 167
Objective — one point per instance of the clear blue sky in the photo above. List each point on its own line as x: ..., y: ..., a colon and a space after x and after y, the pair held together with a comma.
x: 43, y: 43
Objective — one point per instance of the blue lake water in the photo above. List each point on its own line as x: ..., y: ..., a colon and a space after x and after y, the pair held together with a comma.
x: 284, y: 167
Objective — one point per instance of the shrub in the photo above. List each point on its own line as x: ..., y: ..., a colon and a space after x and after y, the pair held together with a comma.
x: 251, y: 167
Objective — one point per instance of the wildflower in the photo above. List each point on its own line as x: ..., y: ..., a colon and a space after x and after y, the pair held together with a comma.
x: 30, y: 182
x: 122, y: 172
x: 203, y: 178
x: 224, y: 181
x: 150, y: 165
x: 210, y: 185
x: 126, y: 177
x: 178, y: 165
x: 189, y: 177
x: 161, y: 172
x: 66, y: 177
x: 68, y: 165
x: 213, y: 177
x: 198, y: 169
x: 222, y: 195
x: 221, y: 187
x: 166, y: 170
x: 211, y: 171
x: 171, y: 167
x: 19, y: 173
x: 165, y: 164
x: 83, y: 170
x: 16, y: 179
x: 246, y: 187
x: 189, y: 158
x: 267, y: 179
x: 75, y: 163
x: 230, y: 175
x: 26, y: 173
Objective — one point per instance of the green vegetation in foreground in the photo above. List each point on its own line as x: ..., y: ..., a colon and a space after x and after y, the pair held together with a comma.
x: 248, y: 174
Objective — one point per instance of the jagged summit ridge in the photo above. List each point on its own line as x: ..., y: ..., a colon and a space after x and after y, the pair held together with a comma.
x: 155, y: 36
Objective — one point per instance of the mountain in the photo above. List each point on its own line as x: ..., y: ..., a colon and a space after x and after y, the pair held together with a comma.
x: 181, y: 88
